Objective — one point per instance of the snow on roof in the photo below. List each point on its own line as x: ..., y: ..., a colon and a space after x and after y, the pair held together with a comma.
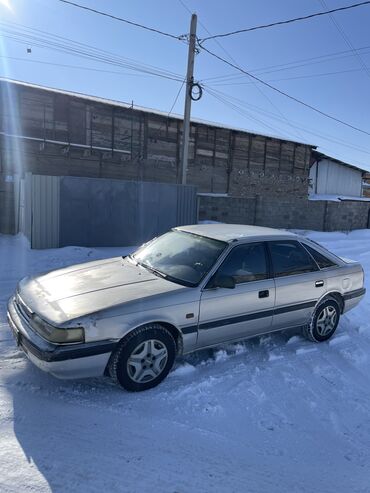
x: 320, y: 156
x: 337, y: 198
x: 229, y: 232
x: 123, y: 104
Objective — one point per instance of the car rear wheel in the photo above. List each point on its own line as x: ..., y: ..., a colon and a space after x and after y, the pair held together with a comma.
x: 324, y: 321
x: 143, y: 358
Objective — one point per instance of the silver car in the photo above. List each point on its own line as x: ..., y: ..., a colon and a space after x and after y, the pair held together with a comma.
x: 192, y: 288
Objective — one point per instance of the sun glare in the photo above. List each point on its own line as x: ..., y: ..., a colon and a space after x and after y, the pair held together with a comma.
x: 6, y: 3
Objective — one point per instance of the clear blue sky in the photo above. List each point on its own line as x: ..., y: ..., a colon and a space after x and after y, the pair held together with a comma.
x: 337, y: 84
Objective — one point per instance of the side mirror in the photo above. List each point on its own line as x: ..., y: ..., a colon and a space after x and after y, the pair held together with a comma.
x: 222, y: 281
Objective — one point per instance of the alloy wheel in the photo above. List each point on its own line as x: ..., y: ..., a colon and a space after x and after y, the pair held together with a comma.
x: 147, y: 361
x: 326, y: 321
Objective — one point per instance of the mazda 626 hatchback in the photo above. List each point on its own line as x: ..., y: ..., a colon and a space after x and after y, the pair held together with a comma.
x: 192, y: 288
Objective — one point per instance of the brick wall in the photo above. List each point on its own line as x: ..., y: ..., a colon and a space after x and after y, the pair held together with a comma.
x: 287, y: 212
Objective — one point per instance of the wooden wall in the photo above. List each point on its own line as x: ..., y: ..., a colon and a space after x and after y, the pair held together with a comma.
x: 123, y: 142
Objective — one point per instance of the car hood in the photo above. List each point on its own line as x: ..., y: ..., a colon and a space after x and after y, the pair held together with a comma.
x: 66, y: 294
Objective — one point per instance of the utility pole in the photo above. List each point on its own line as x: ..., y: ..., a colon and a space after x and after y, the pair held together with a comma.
x: 187, y: 109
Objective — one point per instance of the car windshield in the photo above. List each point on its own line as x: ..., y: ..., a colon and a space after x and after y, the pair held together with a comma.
x: 179, y: 256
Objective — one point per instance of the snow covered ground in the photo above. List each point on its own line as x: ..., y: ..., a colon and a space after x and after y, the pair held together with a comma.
x: 274, y: 414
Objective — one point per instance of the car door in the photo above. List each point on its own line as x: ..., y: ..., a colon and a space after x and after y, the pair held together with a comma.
x: 299, y: 283
x: 227, y: 314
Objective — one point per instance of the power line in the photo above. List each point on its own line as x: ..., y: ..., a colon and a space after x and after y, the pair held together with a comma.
x: 307, y: 76
x: 79, y: 67
x: 176, y: 98
x: 99, y: 59
x: 348, y: 42
x: 190, y: 12
x: 121, y: 19
x: 273, y: 116
x: 303, y: 62
x: 279, y: 91
x: 30, y: 33
x: 355, y: 162
x: 241, y: 112
x: 46, y: 40
x: 259, y: 89
x: 288, y: 21
x: 172, y: 107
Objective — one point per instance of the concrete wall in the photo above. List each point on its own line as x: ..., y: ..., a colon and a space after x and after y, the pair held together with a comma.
x: 289, y: 212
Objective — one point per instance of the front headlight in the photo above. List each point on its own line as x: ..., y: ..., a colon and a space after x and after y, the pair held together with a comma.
x: 59, y: 336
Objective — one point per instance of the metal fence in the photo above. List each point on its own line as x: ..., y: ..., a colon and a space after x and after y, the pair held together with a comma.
x: 57, y: 211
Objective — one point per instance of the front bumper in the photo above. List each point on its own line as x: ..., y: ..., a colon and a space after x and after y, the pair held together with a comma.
x: 61, y: 360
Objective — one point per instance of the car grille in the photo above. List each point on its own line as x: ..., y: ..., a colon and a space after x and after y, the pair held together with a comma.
x: 25, y: 311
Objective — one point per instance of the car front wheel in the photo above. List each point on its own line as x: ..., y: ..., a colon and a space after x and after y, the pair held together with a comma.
x: 324, y: 321
x: 143, y: 358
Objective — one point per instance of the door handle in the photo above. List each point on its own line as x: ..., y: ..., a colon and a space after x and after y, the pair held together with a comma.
x: 264, y: 294
x: 319, y: 284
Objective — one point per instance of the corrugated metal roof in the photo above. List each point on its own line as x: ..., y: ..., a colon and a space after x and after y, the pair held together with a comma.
x: 123, y: 104
x: 320, y: 156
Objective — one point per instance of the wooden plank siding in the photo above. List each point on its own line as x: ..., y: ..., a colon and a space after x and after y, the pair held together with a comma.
x: 108, y: 140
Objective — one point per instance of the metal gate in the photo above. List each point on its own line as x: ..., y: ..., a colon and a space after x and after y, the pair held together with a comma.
x: 67, y: 210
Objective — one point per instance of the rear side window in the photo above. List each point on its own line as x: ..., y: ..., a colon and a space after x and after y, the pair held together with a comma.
x: 290, y: 258
x: 320, y: 259
x: 246, y: 263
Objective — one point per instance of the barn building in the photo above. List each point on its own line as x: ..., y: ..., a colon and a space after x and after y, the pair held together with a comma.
x: 240, y: 176
x: 51, y: 132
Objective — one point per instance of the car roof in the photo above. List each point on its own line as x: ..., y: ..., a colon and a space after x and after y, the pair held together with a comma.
x: 235, y: 232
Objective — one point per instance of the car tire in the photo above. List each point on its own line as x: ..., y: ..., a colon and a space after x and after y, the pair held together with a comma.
x: 324, y: 321
x: 143, y: 358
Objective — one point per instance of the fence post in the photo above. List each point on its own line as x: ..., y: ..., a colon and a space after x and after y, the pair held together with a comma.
x: 325, y: 216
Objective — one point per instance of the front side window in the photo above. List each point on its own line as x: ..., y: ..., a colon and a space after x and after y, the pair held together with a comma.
x: 320, y: 259
x: 245, y: 263
x: 179, y: 256
x: 290, y: 258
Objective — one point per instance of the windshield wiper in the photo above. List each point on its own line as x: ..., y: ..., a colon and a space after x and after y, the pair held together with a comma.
x: 152, y: 269
x: 165, y: 276
x: 131, y: 257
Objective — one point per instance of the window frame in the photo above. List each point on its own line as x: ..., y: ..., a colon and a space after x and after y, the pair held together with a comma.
x: 269, y: 272
x: 275, y: 276
x: 306, y: 247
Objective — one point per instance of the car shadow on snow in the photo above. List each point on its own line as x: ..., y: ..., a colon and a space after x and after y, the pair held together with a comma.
x: 65, y: 431
x: 72, y: 431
